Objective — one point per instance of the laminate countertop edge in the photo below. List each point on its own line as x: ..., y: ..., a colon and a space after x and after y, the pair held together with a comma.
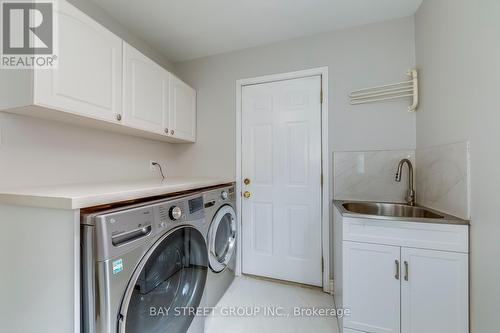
x: 78, y: 196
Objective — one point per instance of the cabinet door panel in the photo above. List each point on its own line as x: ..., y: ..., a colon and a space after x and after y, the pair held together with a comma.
x: 88, y: 80
x: 182, y: 110
x: 145, y: 92
x: 372, y: 287
x: 435, y: 294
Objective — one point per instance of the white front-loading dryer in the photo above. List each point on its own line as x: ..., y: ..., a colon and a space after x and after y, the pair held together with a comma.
x: 220, y: 211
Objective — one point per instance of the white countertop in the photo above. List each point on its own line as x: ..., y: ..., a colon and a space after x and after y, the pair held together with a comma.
x: 76, y: 196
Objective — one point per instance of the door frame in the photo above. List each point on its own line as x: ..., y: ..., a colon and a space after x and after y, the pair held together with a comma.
x: 325, y: 170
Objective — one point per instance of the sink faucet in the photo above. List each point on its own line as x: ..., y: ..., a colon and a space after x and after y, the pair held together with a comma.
x: 410, y: 195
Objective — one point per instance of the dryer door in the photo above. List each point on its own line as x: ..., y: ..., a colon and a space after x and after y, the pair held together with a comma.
x: 222, y: 238
x: 168, y: 283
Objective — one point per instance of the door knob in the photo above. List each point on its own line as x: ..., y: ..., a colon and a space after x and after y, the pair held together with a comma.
x: 247, y: 194
x: 246, y: 181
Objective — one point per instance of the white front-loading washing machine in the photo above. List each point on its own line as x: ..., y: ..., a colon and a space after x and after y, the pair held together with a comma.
x: 145, y: 267
x: 220, y: 211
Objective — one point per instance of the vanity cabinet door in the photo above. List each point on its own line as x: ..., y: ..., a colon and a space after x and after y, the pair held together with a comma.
x: 371, y: 281
x: 434, y: 291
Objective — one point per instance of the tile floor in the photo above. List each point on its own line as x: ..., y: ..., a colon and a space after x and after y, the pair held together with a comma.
x: 255, y: 297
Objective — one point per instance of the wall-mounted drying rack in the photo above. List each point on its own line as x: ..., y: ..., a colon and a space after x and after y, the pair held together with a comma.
x: 389, y: 92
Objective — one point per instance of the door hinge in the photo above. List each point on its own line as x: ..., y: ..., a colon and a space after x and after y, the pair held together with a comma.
x: 322, y: 265
x: 321, y: 180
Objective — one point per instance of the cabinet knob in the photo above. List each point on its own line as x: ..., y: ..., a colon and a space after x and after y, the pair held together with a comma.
x: 172, y: 132
x: 166, y: 130
x: 119, y: 117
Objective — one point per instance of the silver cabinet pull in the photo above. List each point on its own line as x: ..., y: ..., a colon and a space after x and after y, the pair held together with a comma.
x: 406, y: 270
x: 172, y: 132
x: 397, y: 270
x: 118, y: 117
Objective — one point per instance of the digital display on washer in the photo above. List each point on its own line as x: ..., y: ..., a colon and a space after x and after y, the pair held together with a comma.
x: 195, y: 205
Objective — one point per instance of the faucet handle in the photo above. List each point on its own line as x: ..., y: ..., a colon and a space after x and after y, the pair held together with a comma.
x: 410, y: 197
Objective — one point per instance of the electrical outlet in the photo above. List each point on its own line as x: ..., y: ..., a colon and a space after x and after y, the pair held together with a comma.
x: 152, y: 166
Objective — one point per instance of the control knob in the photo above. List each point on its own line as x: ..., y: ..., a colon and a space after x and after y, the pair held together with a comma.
x: 224, y: 195
x: 175, y: 212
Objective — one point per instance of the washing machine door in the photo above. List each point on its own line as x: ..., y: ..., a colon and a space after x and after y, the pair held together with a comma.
x: 222, y: 238
x: 167, y: 285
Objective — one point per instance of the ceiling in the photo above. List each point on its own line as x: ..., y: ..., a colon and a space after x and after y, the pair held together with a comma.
x: 189, y: 29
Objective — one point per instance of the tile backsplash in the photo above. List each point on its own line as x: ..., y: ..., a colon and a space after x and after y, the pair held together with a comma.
x: 443, y: 178
x: 369, y: 175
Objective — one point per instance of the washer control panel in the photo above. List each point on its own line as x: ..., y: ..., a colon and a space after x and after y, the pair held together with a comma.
x: 120, y: 229
x: 179, y: 212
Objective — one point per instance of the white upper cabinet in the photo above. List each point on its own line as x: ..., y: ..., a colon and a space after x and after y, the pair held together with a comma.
x: 182, y: 110
x: 156, y: 101
x: 145, y: 92
x: 102, y: 82
x: 88, y: 80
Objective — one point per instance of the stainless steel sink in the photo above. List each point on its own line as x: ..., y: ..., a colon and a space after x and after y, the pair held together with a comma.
x: 389, y: 210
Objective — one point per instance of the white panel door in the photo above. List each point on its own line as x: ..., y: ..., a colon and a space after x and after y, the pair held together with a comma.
x: 88, y: 80
x: 434, y: 291
x: 281, y: 156
x: 182, y: 110
x: 146, y: 95
x: 371, y: 281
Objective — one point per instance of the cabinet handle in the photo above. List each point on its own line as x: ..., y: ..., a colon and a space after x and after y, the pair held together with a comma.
x: 166, y: 130
x: 397, y: 270
x: 119, y: 117
x: 406, y: 270
x: 172, y: 132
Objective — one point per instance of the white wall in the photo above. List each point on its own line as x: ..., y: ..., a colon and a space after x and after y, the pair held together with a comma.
x: 458, y: 53
x: 37, y: 152
x: 357, y: 57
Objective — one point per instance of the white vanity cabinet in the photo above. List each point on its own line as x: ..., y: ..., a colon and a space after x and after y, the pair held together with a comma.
x: 102, y: 82
x: 401, y: 276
